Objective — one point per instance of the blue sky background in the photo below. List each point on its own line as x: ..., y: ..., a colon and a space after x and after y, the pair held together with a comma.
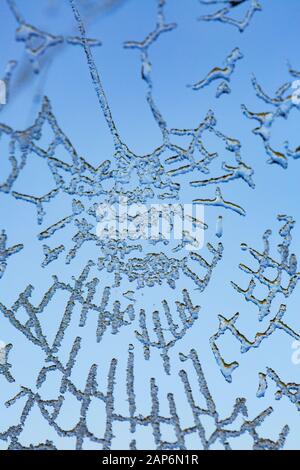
x: 180, y: 57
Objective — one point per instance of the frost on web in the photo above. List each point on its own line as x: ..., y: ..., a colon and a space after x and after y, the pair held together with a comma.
x: 227, y: 13
x: 77, y: 177
x: 103, y: 300
x: 289, y: 390
x: 83, y: 292
x: 5, y: 252
x: 190, y: 156
x: 221, y: 432
x: 50, y: 409
x: 286, y: 265
x: 187, y: 313
x: 286, y: 99
x: 76, y: 297
x: 80, y: 180
x: 37, y: 42
x: 229, y: 172
x: 86, y: 182
x: 223, y: 74
x: 157, y: 268
x: 6, y: 83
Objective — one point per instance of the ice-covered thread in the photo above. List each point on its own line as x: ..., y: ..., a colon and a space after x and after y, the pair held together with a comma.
x: 288, y: 265
x: 8, y: 74
x: 291, y: 390
x: 187, y: 314
x: 224, y: 15
x: 228, y: 324
x: 5, y: 252
x: 285, y: 100
x: 37, y: 42
x: 156, y: 268
x: 4, y: 364
x: 219, y: 201
x: 218, y: 73
x: 221, y: 433
x: 76, y: 297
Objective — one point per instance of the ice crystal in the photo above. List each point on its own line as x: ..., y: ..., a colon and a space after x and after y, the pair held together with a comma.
x: 224, y: 14
x: 5, y: 252
x: 187, y: 313
x: 8, y: 74
x: 4, y: 364
x: 218, y: 73
x: 221, y: 432
x: 284, y: 101
x: 287, y: 264
x: 289, y: 390
x: 102, y: 301
x: 36, y: 41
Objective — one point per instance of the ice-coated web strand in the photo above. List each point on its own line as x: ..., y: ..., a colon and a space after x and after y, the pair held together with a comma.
x: 5, y: 252
x: 50, y: 409
x: 38, y: 201
x: 55, y: 166
x: 196, y: 144
x: 228, y: 324
x: 169, y: 333
x: 157, y: 268
x: 291, y: 390
x: 76, y: 178
x: 173, y: 329
x: 13, y: 7
x: 8, y: 74
x: 27, y: 32
x: 107, y: 316
x: 223, y: 17
x: 221, y: 432
x: 232, y: 145
x: 51, y: 254
x: 88, y: 300
x: 219, y: 201
x: 82, y: 294
x: 287, y: 265
x: 96, y: 77
x: 127, y: 160
x: 218, y: 73
x: 146, y: 69
x: 161, y: 27
x: 34, y: 41
x: 4, y: 364
x: 148, y: 167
